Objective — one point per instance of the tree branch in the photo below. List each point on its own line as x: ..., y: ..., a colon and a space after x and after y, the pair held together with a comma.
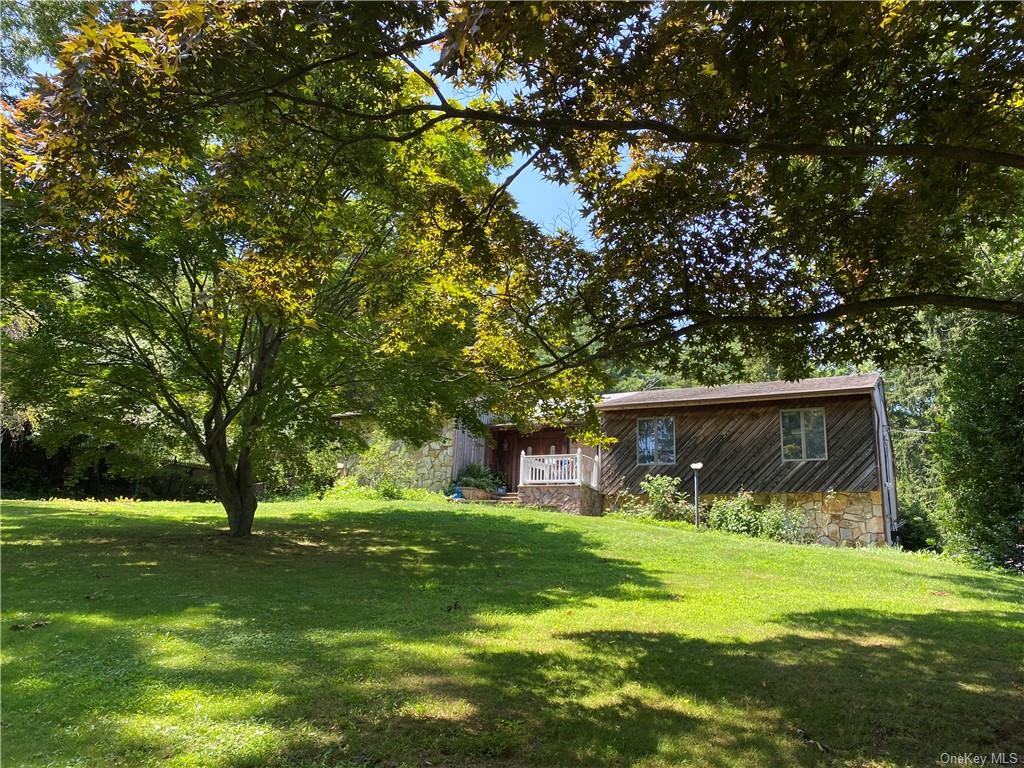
x: 576, y: 357
x: 742, y: 143
x: 673, y: 133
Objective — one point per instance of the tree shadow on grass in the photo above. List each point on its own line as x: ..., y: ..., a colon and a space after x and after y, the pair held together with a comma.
x: 993, y: 585
x: 318, y: 612
x: 382, y: 639
x: 852, y: 687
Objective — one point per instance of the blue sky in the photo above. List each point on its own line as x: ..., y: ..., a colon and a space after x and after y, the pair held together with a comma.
x: 551, y: 206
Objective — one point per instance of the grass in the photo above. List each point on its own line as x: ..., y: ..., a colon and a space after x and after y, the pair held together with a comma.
x: 358, y: 633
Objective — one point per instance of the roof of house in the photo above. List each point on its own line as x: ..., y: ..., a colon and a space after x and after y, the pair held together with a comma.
x: 738, y: 393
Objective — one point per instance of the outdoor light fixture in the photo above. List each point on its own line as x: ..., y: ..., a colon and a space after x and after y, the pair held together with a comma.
x: 697, y: 466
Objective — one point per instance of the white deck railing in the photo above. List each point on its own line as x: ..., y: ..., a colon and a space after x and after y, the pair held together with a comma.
x: 560, y: 469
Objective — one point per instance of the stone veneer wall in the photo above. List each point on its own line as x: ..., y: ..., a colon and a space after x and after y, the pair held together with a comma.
x: 575, y: 499
x: 833, y: 519
x: 433, y: 462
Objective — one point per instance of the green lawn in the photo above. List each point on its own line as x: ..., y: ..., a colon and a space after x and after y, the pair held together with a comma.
x: 408, y: 633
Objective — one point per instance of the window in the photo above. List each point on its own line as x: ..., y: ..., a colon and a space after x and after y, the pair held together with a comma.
x: 656, y: 441
x: 803, y: 435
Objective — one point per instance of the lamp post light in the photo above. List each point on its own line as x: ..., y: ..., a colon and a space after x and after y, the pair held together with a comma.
x: 697, y: 466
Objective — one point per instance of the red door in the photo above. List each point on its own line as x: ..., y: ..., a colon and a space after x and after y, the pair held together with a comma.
x: 509, y: 444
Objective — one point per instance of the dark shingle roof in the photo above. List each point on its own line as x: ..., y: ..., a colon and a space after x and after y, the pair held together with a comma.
x: 737, y: 393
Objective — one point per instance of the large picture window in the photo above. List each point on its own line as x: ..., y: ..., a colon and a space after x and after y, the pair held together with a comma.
x: 803, y: 435
x: 656, y: 441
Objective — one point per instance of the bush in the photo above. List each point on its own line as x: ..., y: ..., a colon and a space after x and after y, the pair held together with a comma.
x: 782, y: 523
x: 739, y: 514
x: 294, y: 471
x: 916, y: 529
x: 664, y: 502
x: 389, y: 489
x: 385, y: 467
x: 477, y: 476
x: 348, y: 488
x: 734, y: 514
x: 625, y: 503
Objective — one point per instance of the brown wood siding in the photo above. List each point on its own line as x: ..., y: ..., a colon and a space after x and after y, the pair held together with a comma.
x: 468, y: 449
x: 741, y: 447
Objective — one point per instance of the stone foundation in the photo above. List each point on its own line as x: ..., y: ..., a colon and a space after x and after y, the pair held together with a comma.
x: 432, y: 463
x: 833, y: 519
x: 574, y: 499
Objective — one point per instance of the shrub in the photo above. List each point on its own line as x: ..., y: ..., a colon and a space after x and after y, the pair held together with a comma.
x: 735, y: 514
x: 916, y: 522
x: 348, y: 488
x: 739, y: 514
x: 628, y: 504
x: 782, y: 523
x: 389, y: 489
x: 477, y: 476
x: 294, y: 471
x: 385, y: 467
x: 664, y: 502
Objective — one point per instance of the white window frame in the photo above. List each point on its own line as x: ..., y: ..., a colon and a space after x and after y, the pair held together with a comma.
x: 803, y: 433
x: 655, y: 463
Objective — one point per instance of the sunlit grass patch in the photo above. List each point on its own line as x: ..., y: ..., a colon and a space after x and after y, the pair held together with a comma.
x: 354, y: 633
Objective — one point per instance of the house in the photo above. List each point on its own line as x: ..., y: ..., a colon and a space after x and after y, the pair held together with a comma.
x: 820, y: 445
x: 437, y: 463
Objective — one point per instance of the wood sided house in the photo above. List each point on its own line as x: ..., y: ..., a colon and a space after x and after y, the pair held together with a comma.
x: 821, y: 445
x: 818, y: 444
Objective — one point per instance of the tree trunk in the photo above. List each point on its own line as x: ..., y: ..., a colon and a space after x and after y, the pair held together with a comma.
x: 241, y: 509
x: 235, y: 489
